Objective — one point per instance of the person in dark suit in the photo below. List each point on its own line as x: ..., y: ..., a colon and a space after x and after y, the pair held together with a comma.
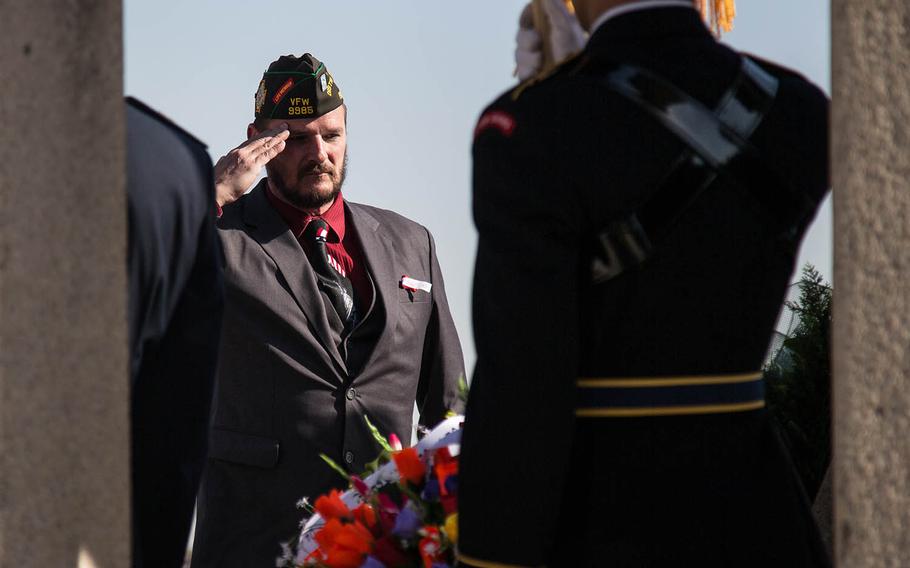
x: 175, y: 306
x: 639, y: 212
x: 336, y: 312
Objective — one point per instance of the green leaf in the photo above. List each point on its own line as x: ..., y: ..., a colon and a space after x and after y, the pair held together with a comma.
x: 373, y: 465
x: 335, y: 466
x: 380, y: 439
x: 463, y: 389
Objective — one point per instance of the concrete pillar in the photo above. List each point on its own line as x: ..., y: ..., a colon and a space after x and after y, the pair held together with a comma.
x: 64, y: 446
x: 871, y: 342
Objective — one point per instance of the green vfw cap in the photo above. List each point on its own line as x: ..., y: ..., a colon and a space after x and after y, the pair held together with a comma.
x: 296, y: 87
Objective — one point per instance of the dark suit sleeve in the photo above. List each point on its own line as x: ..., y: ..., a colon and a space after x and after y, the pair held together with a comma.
x: 520, y: 415
x: 443, y: 362
x: 176, y: 301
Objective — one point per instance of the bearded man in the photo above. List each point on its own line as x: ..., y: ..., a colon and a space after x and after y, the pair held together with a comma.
x: 335, y: 311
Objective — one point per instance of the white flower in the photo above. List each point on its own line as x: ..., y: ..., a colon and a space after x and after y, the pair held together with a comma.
x: 287, y: 557
x: 303, y: 503
x: 301, y: 556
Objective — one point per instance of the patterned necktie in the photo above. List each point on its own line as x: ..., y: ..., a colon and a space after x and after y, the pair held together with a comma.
x: 329, y: 274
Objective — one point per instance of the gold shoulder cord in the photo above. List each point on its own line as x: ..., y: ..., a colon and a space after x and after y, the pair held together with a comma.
x: 549, y: 65
x: 718, y: 14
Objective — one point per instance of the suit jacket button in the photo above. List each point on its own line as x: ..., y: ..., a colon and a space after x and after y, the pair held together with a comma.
x: 349, y: 457
x: 350, y: 394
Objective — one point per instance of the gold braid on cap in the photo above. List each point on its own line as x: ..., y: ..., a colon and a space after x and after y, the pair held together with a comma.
x: 718, y: 14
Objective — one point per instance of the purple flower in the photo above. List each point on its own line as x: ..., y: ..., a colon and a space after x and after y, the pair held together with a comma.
x: 440, y: 565
x: 431, y: 491
x: 406, y: 524
x: 371, y: 562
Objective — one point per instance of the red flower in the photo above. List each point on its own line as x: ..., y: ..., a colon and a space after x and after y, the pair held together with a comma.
x: 410, y: 467
x: 430, y: 546
x: 326, y: 536
x: 388, y: 552
x: 445, y: 466
x: 388, y: 510
x: 449, y: 503
x: 344, y: 545
x: 332, y: 507
x: 354, y: 536
x: 359, y: 485
x: 387, y: 504
x: 343, y: 558
x: 366, y: 515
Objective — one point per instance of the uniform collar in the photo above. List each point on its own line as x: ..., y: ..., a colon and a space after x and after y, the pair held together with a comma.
x: 637, y: 7
x: 298, y: 219
x: 615, y: 36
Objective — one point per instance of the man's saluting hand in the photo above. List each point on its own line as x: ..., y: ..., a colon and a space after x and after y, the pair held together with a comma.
x: 236, y: 171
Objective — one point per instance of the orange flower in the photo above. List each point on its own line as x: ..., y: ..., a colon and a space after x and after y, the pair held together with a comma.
x: 409, y: 465
x: 332, y: 507
x: 445, y: 466
x: 344, y: 545
x: 354, y: 536
x: 326, y: 536
x: 366, y: 515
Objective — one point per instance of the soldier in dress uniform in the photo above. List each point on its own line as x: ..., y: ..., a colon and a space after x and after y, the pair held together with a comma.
x: 176, y: 300
x: 639, y: 212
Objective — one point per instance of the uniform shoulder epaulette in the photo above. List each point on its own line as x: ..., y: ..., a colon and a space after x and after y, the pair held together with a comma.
x: 141, y: 106
x: 544, y: 75
x: 774, y: 68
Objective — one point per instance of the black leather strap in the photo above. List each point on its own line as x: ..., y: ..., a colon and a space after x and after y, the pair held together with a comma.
x: 717, y: 144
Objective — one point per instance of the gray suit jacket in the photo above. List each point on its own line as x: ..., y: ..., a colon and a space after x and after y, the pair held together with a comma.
x: 286, y: 392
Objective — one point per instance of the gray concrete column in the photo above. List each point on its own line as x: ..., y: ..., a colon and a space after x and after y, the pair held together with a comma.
x: 871, y: 342
x: 64, y: 446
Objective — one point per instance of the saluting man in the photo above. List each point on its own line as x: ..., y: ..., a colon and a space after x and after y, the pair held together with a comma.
x: 334, y: 311
x: 639, y: 210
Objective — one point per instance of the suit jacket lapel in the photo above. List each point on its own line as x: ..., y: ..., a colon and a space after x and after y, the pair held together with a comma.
x: 272, y: 233
x: 379, y: 258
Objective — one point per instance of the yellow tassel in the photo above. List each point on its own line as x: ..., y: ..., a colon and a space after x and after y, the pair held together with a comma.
x: 718, y: 14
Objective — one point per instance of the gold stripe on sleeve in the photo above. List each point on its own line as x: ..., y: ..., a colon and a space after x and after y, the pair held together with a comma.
x: 643, y: 382
x: 633, y: 412
x: 478, y: 563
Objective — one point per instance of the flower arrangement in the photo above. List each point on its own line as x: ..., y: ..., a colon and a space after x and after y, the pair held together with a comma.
x: 402, y: 515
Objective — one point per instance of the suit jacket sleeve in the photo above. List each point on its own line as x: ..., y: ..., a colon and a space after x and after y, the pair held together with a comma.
x: 520, y: 415
x: 443, y: 362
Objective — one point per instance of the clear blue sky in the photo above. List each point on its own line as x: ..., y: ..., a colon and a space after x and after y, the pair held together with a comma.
x: 415, y: 76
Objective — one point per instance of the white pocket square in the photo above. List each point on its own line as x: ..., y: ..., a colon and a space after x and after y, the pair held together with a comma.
x: 413, y: 285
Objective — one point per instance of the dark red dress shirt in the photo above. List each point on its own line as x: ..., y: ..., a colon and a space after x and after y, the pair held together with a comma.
x: 342, y: 245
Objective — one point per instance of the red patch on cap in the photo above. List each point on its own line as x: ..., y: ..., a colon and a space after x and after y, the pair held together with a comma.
x: 498, y: 119
x: 283, y: 91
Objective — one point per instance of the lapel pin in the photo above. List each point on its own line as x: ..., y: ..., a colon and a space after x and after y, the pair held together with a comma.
x: 412, y: 285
